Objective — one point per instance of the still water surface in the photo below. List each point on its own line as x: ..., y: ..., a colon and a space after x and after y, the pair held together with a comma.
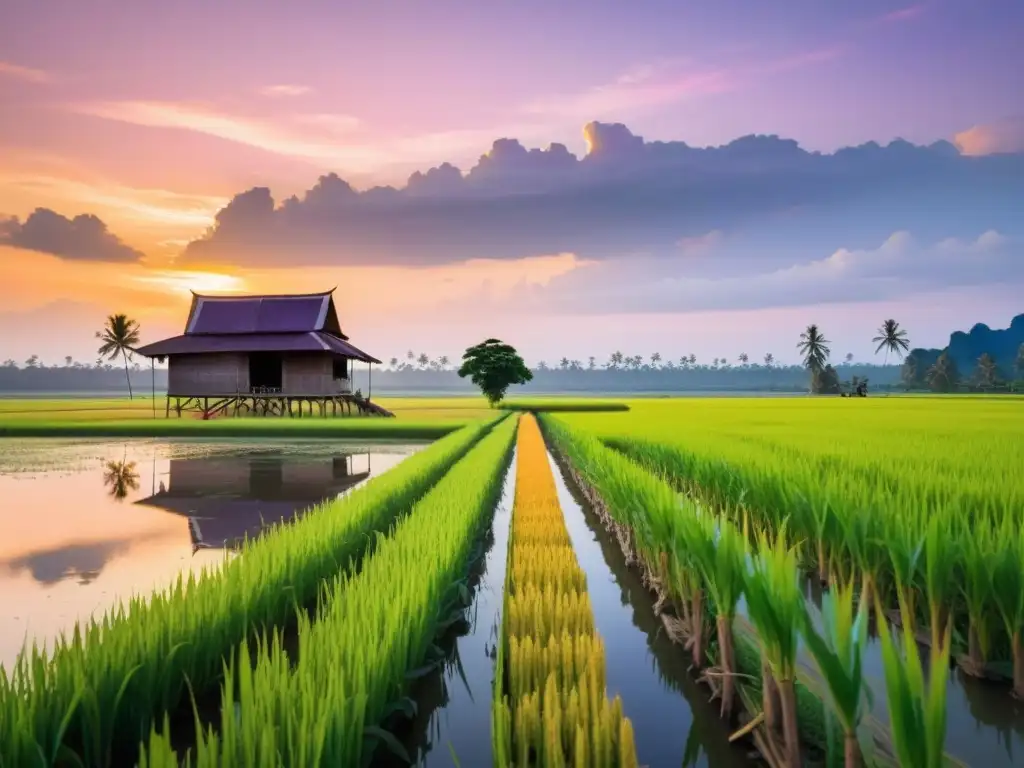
x: 84, y: 523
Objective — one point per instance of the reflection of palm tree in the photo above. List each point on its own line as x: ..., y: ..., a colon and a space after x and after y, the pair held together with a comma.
x: 121, y: 478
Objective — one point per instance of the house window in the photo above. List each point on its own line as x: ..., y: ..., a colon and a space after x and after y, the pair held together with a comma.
x: 340, y: 368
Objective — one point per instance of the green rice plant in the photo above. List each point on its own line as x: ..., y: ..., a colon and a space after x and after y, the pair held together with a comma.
x: 917, y: 710
x: 720, y: 552
x: 97, y: 692
x: 1009, y: 597
x: 372, y: 638
x: 838, y: 652
x: 776, y: 604
x: 941, y: 551
x: 980, y: 594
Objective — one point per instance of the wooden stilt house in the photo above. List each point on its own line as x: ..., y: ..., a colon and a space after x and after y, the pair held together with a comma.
x: 263, y: 354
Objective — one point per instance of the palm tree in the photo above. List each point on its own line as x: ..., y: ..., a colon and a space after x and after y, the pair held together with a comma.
x: 769, y: 360
x: 393, y: 362
x: 616, y: 359
x: 655, y: 359
x: 693, y: 359
x: 910, y: 373
x: 120, y: 336
x: 744, y: 358
x: 892, y: 338
x: 563, y: 363
x: 591, y: 363
x: 849, y: 358
x: 987, y: 372
x: 814, y: 347
x: 443, y: 361
x: 943, y: 375
x: 423, y: 360
x: 68, y: 360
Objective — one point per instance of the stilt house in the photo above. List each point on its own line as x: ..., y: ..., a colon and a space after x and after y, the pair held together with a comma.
x: 263, y: 352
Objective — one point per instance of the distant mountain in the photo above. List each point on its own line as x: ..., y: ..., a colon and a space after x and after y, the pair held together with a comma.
x: 966, y: 348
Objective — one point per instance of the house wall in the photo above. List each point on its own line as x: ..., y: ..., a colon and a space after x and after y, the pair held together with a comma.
x: 311, y: 375
x: 215, y: 374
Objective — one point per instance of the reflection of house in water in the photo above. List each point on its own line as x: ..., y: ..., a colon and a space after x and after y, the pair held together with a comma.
x: 228, y: 498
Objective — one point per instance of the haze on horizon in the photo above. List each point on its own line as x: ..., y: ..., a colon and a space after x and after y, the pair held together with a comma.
x: 572, y: 178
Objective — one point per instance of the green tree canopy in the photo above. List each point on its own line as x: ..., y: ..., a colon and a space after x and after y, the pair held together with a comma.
x: 494, y: 366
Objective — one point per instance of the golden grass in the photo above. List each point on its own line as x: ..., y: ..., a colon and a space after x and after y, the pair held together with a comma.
x: 554, y: 711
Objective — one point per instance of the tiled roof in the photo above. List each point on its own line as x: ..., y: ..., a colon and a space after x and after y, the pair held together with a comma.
x: 205, y: 343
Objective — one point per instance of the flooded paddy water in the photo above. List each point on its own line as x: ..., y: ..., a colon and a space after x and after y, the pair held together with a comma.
x: 85, y: 523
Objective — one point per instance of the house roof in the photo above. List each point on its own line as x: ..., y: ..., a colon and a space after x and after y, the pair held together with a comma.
x: 285, y: 313
x: 205, y: 343
x: 270, y: 323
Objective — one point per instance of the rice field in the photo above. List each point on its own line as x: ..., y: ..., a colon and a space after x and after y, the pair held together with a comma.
x: 840, y: 576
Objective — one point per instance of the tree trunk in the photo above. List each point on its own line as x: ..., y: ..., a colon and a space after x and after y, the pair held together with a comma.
x: 127, y: 375
x: 851, y: 751
x: 787, y: 695
x: 728, y: 664
x: 697, y: 627
x: 770, y: 699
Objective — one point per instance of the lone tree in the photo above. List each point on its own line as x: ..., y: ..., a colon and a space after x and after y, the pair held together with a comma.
x: 120, y: 336
x: 494, y: 366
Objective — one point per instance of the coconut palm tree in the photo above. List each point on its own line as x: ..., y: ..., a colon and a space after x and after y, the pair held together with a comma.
x: 443, y: 360
x: 655, y: 359
x: 987, y: 372
x: 943, y: 375
x: 814, y: 347
x: 120, y: 336
x: 910, y: 373
x: 891, y: 338
x: 693, y: 359
x: 616, y: 359
x: 769, y: 360
x: 744, y: 358
x: 423, y: 360
x: 393, y: 362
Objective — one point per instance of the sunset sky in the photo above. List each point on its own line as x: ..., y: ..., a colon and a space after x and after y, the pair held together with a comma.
x: 151, y: 118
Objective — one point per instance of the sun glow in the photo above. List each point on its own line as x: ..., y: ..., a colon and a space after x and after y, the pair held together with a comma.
x: 200, y: 282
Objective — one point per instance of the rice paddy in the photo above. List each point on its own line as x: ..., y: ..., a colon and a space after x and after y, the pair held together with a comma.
x: 818, y: 563
x: 550, y: 706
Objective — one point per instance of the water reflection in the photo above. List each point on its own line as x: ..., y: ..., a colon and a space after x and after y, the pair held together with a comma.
x: 230, y: 498
x: 121, y: 478
x: 85, y: 523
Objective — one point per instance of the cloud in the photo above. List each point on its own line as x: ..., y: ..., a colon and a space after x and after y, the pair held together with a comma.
x: 638, y: 89
x: 898, y: 268
x: 1006, y: 135
x: 285, y: 90
x: 28, y: 74
x: 903, y: 14
x: 625, y: 196
x: 83, y: 238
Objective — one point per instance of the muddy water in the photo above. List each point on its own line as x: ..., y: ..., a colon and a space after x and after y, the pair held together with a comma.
x: 84, y: 523
x: 454, y: 705
x: 984, y: 724
x: 673, y: 721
